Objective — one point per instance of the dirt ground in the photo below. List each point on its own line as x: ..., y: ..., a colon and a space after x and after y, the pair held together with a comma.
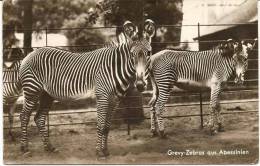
x: 76, y: 143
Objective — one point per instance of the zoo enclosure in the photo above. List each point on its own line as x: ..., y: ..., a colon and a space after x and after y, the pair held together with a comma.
x: 251, y: 82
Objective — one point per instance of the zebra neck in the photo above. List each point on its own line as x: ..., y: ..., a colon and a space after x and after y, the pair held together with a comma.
x: 226, y: 64
x: 122, y: 69
x: 229, y: 66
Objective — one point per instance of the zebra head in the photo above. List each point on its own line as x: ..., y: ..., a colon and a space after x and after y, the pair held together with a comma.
x: 140, y: 50
x: 240, y: 52
x: 241, y: 59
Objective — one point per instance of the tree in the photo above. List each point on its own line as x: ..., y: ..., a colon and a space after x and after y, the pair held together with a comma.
x: 116, y: 12
x: 160, y: 11
x: 82, y: 36
x: 17, y: 14
x: 10, y: 24
x: 27, y: 24
x: 52, y: 14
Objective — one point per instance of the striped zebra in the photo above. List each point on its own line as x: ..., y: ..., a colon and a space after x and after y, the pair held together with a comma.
x: 49, y: 73
x: 11, y: 86
x: 196, y: 69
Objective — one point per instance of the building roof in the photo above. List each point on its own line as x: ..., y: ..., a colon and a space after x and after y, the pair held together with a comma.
x: 213, y: 12
x: 245, y: 12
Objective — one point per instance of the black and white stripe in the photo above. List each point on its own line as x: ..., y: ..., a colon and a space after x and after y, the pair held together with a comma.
x: 198, y: 68
x: 50, y: 73
x: 11, y: 89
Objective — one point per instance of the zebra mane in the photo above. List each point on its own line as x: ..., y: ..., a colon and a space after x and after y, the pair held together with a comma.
x: 179, y: 49
x: 225, y: 52
x: 219, y: 47
x: 116, y: 41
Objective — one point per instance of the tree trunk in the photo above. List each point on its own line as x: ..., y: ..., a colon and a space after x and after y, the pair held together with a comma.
x: 27, y: 22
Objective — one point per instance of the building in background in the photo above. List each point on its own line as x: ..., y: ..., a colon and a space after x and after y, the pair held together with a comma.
x: 39, y: 40
x: 222, y: 12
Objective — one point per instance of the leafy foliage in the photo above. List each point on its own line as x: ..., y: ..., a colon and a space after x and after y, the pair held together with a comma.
x: 54, y: 14
x: 160, y: 11
x: 10, y: 23
x: 82, y: 36
x: 76, y: 13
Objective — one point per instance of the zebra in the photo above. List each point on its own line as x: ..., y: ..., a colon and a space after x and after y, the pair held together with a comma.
x: 11, y: 85
x: 193, y: 69
x: 50, y: 73
x: 121, y: 38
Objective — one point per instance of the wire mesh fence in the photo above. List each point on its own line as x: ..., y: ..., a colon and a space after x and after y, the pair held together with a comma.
x: 251, y: 82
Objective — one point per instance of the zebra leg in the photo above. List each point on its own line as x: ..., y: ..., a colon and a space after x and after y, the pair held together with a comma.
x: 164, y: 84
x: 104, y: 108
x: 28, y: 106
x: 108, y: 123
x: 40, y: 120
x: 152, y: 104
x: 11, y: 120
x: 153, y: 122
x: 220, y: 119
x: 159, y: 109
x: 215, y: 108
x: 31, y: 91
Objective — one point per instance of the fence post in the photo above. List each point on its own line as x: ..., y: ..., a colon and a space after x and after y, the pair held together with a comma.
x: 48, y: 117
x: 128, y: 127
x: 201, y: 111
x: 46, y: 38
x: 48, y: 123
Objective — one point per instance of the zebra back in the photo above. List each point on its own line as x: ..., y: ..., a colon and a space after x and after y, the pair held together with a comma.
x: 11, y: 84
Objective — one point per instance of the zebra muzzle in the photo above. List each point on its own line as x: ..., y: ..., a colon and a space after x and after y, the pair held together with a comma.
x: 140, y: 85
x: 239, y: 79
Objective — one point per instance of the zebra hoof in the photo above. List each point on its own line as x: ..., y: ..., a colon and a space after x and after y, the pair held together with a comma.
x: 213, y: 132
x: 102, y: 155
x: 106, y: 152
x: 27, y: 154
x: 163, y: 135
x: 154, y: 134
x: 51, y: 149
x: 55, y: 150
x: 220, y: 128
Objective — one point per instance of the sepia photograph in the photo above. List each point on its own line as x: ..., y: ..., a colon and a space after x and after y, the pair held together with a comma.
x: 129, y: 82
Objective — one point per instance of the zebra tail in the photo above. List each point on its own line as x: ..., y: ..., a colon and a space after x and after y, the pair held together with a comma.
x: 19, y: 86
x: 155, y: 91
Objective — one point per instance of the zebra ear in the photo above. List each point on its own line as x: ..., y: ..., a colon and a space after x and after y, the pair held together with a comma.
x: 149, y: 29
x: 230, y: 44
x: 251, y: 46
x: 130, y: 30
x: 227, y: 47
